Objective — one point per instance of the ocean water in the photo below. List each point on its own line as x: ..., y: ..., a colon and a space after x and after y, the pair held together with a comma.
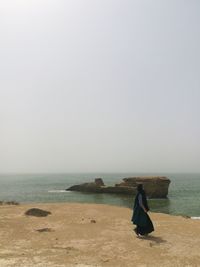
x: 183, y: 197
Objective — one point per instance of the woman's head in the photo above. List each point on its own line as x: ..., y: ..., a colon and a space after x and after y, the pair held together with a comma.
x: 140, y: 188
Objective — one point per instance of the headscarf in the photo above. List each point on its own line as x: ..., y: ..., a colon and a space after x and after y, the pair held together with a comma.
x: 144, y: 198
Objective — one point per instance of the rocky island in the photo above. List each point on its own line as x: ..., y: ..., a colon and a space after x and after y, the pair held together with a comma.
x: 155, y: 186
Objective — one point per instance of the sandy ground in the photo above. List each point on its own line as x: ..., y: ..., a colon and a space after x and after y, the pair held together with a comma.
x: 85, y: 235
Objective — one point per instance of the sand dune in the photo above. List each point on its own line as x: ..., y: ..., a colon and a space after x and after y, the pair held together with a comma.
x: 85, y: 235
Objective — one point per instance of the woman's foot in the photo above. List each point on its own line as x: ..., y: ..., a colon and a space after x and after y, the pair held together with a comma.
x: 135, y: 230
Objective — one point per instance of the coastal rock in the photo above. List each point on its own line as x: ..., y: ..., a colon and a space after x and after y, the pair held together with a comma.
x: 86, y: 187
x: 9, y: 203
x: 155, y: 187
x: 95, y: 188
x: 99, y: 181
x: 118, y: 190
x: 37, y: 212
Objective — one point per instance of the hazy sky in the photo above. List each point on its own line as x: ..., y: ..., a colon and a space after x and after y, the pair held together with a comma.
x: 99, y: 85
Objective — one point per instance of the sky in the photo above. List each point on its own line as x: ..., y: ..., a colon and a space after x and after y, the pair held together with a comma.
x: 99, y: 86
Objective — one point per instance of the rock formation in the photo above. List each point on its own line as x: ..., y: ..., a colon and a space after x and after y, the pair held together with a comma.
x: 99, y: 181
x: 37, y: 212
x: 155, y: 187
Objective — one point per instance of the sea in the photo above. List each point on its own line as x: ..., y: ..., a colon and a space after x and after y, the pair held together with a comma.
x: 183, y: 198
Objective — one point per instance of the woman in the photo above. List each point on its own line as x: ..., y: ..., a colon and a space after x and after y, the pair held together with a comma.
x: 140, y: 217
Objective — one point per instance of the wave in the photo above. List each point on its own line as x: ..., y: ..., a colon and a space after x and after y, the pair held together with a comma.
x: 195, y: 218
x: 58, y: 191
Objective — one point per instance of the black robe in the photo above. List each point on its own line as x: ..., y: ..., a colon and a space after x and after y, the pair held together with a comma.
x: 140, y: 218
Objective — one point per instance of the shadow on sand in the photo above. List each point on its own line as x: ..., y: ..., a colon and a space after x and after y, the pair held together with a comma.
x: 155, y: 239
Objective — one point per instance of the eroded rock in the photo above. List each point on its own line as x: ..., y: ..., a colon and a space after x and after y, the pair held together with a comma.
x: 155, y: 186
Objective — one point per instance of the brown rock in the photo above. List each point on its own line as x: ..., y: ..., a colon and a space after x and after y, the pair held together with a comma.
x: 37, y: 212
x: 44, y: 230
x: 86, y: 187
x: 99, y: 181
x: 155, y: 187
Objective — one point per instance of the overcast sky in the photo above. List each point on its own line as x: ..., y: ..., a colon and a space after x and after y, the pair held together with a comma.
x: 99, y: 85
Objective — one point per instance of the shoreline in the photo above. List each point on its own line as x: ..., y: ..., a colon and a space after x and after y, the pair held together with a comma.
x: 73, y: 233
x: 34, y: 193
x: 4, y: 203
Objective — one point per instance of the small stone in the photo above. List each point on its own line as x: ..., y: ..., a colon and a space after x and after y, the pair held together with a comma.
x: 44, y: 230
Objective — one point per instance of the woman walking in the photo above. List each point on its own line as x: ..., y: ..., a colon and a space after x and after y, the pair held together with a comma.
x: 140, y: 218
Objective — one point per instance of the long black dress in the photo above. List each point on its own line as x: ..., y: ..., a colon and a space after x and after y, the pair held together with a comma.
x: 140, y: 218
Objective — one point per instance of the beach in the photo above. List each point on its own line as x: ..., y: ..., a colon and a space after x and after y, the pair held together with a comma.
x: 86, y: 235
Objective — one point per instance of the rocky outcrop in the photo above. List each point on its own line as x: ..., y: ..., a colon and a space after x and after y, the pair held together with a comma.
x: 155, y: 187
x: 99, y: 181
x: 93, y: 188
x: 98, y: 187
